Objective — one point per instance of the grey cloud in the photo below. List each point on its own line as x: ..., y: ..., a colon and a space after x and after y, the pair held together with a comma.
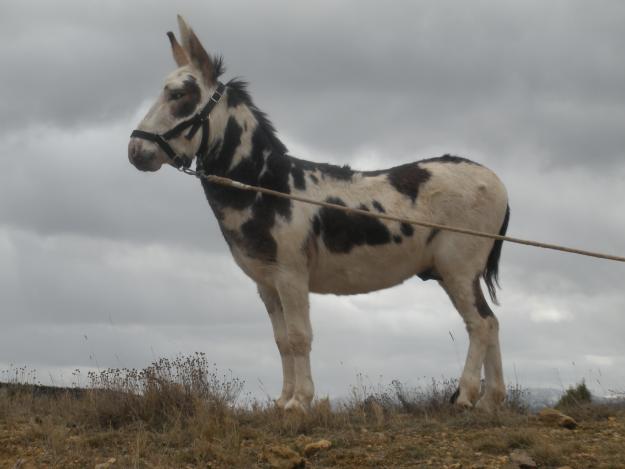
x: 548, y: 76
x: 81, y: 182
x: 84, y: 280
x: 88, y: 245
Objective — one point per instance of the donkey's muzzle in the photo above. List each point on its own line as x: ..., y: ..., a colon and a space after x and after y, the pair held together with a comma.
x: 140, y: 158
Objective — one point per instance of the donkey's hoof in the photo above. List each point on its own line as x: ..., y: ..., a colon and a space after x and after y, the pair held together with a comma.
x: 282, y: 401
x: 490, y: 402
x: 463, y: 403
x: 486, y: 405
x: 294, y: 405
x: 461, y: 400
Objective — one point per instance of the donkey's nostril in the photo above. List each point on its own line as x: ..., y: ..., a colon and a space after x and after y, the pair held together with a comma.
x: 133, y: 149
x: 136, y: 152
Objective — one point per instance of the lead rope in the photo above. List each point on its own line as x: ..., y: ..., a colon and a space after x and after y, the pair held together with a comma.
x: 246, y: 187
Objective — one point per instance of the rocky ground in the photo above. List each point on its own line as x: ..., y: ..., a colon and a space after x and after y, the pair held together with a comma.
x: 48, y: 434
x: 191, y: 419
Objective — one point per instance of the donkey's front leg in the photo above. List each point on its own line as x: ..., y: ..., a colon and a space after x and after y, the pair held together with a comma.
x: 274, y: 307
x: 293, y: 293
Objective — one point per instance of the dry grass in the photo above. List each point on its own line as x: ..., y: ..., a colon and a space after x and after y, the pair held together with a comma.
x: 184, y: 413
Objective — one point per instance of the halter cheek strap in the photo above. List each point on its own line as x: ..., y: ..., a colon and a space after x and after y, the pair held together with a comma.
x: 199, y: 120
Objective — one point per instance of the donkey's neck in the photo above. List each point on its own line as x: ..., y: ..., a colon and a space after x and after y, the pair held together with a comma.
x: 244, y: 139
x: 244, y: 149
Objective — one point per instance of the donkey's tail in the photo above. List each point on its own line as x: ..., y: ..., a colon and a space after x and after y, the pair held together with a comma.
x: 491, y: 272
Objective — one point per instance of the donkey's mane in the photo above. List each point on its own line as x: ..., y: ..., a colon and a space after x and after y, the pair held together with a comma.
x: 238, y: 94
x: 218, y: 65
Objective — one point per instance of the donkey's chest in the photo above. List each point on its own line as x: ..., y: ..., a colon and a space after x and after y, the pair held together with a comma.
x: 258, y: 242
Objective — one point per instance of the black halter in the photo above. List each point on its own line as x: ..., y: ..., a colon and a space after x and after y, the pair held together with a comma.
x: 200, y: 119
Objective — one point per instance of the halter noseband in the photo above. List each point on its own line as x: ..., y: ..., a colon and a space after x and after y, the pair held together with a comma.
x: 199, y: 119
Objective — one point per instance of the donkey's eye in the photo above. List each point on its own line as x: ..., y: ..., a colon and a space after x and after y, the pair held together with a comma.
x: 174, y: 95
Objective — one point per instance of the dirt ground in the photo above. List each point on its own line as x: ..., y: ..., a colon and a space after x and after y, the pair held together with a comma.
x: 41, y: 431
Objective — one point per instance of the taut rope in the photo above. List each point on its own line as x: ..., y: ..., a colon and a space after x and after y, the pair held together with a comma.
x: 246, y: 187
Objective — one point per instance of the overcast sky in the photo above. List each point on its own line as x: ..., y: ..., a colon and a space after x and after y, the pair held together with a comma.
x: 101, y: 265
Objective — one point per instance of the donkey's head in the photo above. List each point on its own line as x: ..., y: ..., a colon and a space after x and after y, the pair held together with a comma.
x: 162, y: 136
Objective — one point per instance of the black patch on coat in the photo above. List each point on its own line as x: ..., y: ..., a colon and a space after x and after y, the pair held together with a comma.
x: 407, y: 178
x: 341, y: 231
x: 449, y: 159
x: 316, y: 225
x: 342, y: 173
x: 219, y: 162
x: 432, y: 235
x: 480, y: 302
x: 237, y: 94
x: 257, y: 239
x: 406, y: 229
x: 397, y: 239
x: 429, y: 274
x: 313, y: 178
x: 378, y: 206
x: 298, y: 177
x: 276, y: 177
x: 192, y: 95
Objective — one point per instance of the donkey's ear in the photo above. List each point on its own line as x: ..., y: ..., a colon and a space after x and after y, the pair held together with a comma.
x: 180, y: 56
x: 196, y: 53
x: 185, y: 31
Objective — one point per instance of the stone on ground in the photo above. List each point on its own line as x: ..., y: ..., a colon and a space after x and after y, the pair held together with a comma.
x: 557, y: 418
x: 312, y: 448
x: 281, y: 457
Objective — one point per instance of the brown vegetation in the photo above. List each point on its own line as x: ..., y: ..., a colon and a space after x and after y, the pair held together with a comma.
x: 183, y: 414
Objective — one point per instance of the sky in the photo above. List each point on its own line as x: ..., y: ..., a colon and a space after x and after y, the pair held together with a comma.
x: 104, y: 266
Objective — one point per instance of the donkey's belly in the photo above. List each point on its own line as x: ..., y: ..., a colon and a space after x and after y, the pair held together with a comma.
x: 362, y: 270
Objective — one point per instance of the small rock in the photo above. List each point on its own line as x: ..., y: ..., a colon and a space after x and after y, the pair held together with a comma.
x: 301, y: 441
x: 281, y: 457
x: 555, y: 417
x: 522, y: 459
x: 107, y: 464
x: 313, y: 448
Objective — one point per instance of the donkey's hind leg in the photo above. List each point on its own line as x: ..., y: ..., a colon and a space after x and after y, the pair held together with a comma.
x: 274, y: 307
x: 466, y: 295
x: 495, y: 392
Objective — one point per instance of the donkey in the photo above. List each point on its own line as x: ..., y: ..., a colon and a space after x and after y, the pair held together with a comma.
x: 291, y: 249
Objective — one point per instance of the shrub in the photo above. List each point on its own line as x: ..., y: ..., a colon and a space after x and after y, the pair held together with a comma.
x: 162, y: 393
x: 575, y: 396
